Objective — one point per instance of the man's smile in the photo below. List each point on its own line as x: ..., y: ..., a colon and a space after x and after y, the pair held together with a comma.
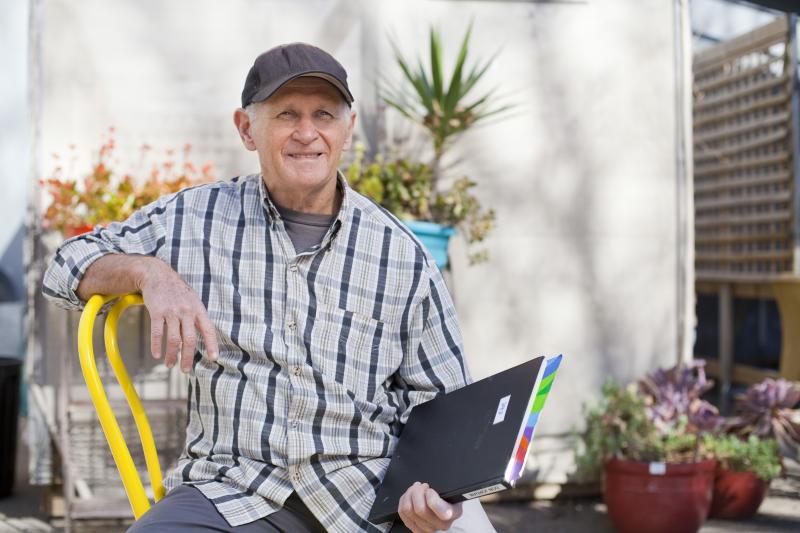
x: 305, y: 156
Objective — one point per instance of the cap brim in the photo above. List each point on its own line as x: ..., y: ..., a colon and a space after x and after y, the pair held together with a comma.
x: 272, y: 88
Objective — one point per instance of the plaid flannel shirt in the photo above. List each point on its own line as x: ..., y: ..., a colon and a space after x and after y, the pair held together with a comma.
x: 323, y: 354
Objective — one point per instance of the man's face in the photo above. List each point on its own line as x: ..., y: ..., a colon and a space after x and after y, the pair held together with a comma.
x: 299, y: 133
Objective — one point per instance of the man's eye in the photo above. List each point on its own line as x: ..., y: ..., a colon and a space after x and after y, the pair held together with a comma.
x: 286, y: 114
x: 325, y: 114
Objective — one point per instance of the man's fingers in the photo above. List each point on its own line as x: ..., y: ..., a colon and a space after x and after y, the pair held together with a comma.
x: 156, y: 335
x: 442, y: 509
x: 173, y: 341
x: 418, y: 501
x: 405, y: 509
x: 189, y: 343
x: 209, y: 335
x: 424, y: 518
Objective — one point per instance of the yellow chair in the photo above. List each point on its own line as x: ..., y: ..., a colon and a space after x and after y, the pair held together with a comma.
x: 122, y: 456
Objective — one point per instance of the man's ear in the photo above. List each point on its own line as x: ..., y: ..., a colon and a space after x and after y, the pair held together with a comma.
x: 242, y: 121
x: 349, y: 141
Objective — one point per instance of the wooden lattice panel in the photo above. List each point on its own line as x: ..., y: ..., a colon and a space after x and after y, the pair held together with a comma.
x: 743, y: 162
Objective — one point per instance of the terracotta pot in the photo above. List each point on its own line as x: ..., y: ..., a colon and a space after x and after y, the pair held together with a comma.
x: 737, y: 495
x: 658, y: 497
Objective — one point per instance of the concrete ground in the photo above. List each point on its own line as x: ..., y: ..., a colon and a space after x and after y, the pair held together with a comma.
x: 780, y: 512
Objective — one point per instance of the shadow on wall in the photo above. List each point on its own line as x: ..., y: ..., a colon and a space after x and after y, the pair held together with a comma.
x: 573, y: 151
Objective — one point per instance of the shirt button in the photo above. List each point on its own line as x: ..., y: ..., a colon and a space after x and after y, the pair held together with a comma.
x: 292, y: 325
x: 294, y: 424
x: 293, y: 267
x: 297, y: 370
x: 297, y: 475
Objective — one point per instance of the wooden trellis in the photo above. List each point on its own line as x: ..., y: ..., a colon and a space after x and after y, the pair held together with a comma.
x: 745, y: 192
x: 743, y: 157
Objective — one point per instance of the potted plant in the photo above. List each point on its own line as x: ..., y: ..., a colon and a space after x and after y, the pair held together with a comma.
x: 766, y: 428
x: 415, y: 192
x: 745, y: 469
x: 646, y: 442
x: 79, y: 201
x: 405, y: 188
x: 769, y: 410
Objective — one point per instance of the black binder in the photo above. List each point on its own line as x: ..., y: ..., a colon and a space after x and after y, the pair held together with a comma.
x: 471, y: 442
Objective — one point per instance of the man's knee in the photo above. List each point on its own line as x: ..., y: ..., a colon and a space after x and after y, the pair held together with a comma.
x: 183, y: 509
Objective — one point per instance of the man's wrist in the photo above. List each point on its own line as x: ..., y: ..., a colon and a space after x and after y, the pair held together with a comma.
x: 142, y: 268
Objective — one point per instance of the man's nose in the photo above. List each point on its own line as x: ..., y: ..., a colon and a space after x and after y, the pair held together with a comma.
x: 306, y: 131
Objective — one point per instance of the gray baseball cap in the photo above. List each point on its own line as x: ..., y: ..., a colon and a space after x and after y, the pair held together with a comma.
x: 284, y: 63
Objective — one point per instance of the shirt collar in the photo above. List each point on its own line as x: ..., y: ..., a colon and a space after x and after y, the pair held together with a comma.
x: 341, y: 216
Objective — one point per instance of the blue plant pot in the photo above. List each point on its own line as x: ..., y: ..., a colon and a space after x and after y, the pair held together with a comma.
x: 435, y: 237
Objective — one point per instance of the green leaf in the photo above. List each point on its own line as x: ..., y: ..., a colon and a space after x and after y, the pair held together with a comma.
x: 436, y: 64
x: 476, y: 74
x: 454, y: 91
x: 405, y: 112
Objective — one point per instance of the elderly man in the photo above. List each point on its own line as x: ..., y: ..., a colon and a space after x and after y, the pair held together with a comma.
x: 310, y: 322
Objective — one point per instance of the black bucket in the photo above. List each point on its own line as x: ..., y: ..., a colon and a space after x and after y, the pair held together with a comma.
x: 10, y: 374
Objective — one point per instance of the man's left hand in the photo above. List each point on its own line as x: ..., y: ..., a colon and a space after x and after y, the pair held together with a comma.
x: 423, y: 511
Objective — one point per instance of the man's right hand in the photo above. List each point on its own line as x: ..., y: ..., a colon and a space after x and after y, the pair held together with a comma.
x: 176, y: 312
x: 177, y: 315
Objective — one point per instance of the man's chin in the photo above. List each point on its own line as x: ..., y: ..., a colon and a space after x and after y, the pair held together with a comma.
x: 310, y: 178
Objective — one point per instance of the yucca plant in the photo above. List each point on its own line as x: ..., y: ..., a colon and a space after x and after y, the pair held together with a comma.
x: 440, y: 107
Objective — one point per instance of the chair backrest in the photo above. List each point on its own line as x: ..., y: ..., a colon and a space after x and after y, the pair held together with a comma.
x: 122, y: 456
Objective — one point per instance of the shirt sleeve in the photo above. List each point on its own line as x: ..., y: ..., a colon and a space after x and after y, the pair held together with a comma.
x: 433, y: 362
x: 143, y: 233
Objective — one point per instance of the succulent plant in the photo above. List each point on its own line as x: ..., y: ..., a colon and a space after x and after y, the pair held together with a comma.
x: 753, y: 454
x: 675, y: 392
x: 768, y: 410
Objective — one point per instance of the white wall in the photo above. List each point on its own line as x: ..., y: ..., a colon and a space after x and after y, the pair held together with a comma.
x: 584, y: 178
x: 583, y: 175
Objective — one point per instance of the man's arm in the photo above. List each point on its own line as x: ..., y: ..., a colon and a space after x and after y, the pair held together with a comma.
x: 433, y: 364
x: 170, y: 302
x: 122, y: 258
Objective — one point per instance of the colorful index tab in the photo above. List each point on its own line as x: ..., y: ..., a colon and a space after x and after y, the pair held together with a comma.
x: 518, y: 464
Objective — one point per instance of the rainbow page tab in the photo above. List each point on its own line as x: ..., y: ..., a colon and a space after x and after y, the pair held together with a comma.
x: 517, y: 464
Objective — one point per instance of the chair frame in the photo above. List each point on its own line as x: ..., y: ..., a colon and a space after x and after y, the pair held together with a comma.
x: 131, y: 481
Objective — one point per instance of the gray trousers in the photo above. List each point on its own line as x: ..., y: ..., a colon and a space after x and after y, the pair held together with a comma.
x: 185, y: 509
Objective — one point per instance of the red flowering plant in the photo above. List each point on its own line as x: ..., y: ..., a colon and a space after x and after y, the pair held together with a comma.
x: 77, y: 203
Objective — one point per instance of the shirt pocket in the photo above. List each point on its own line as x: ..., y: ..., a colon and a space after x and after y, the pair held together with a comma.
x: 354, y: 350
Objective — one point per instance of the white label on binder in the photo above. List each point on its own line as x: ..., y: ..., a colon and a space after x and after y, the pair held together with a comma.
x: 484, y: 491
x: 500, y: 415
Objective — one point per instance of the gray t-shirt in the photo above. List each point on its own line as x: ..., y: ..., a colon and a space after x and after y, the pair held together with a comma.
x: 305, y: 229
